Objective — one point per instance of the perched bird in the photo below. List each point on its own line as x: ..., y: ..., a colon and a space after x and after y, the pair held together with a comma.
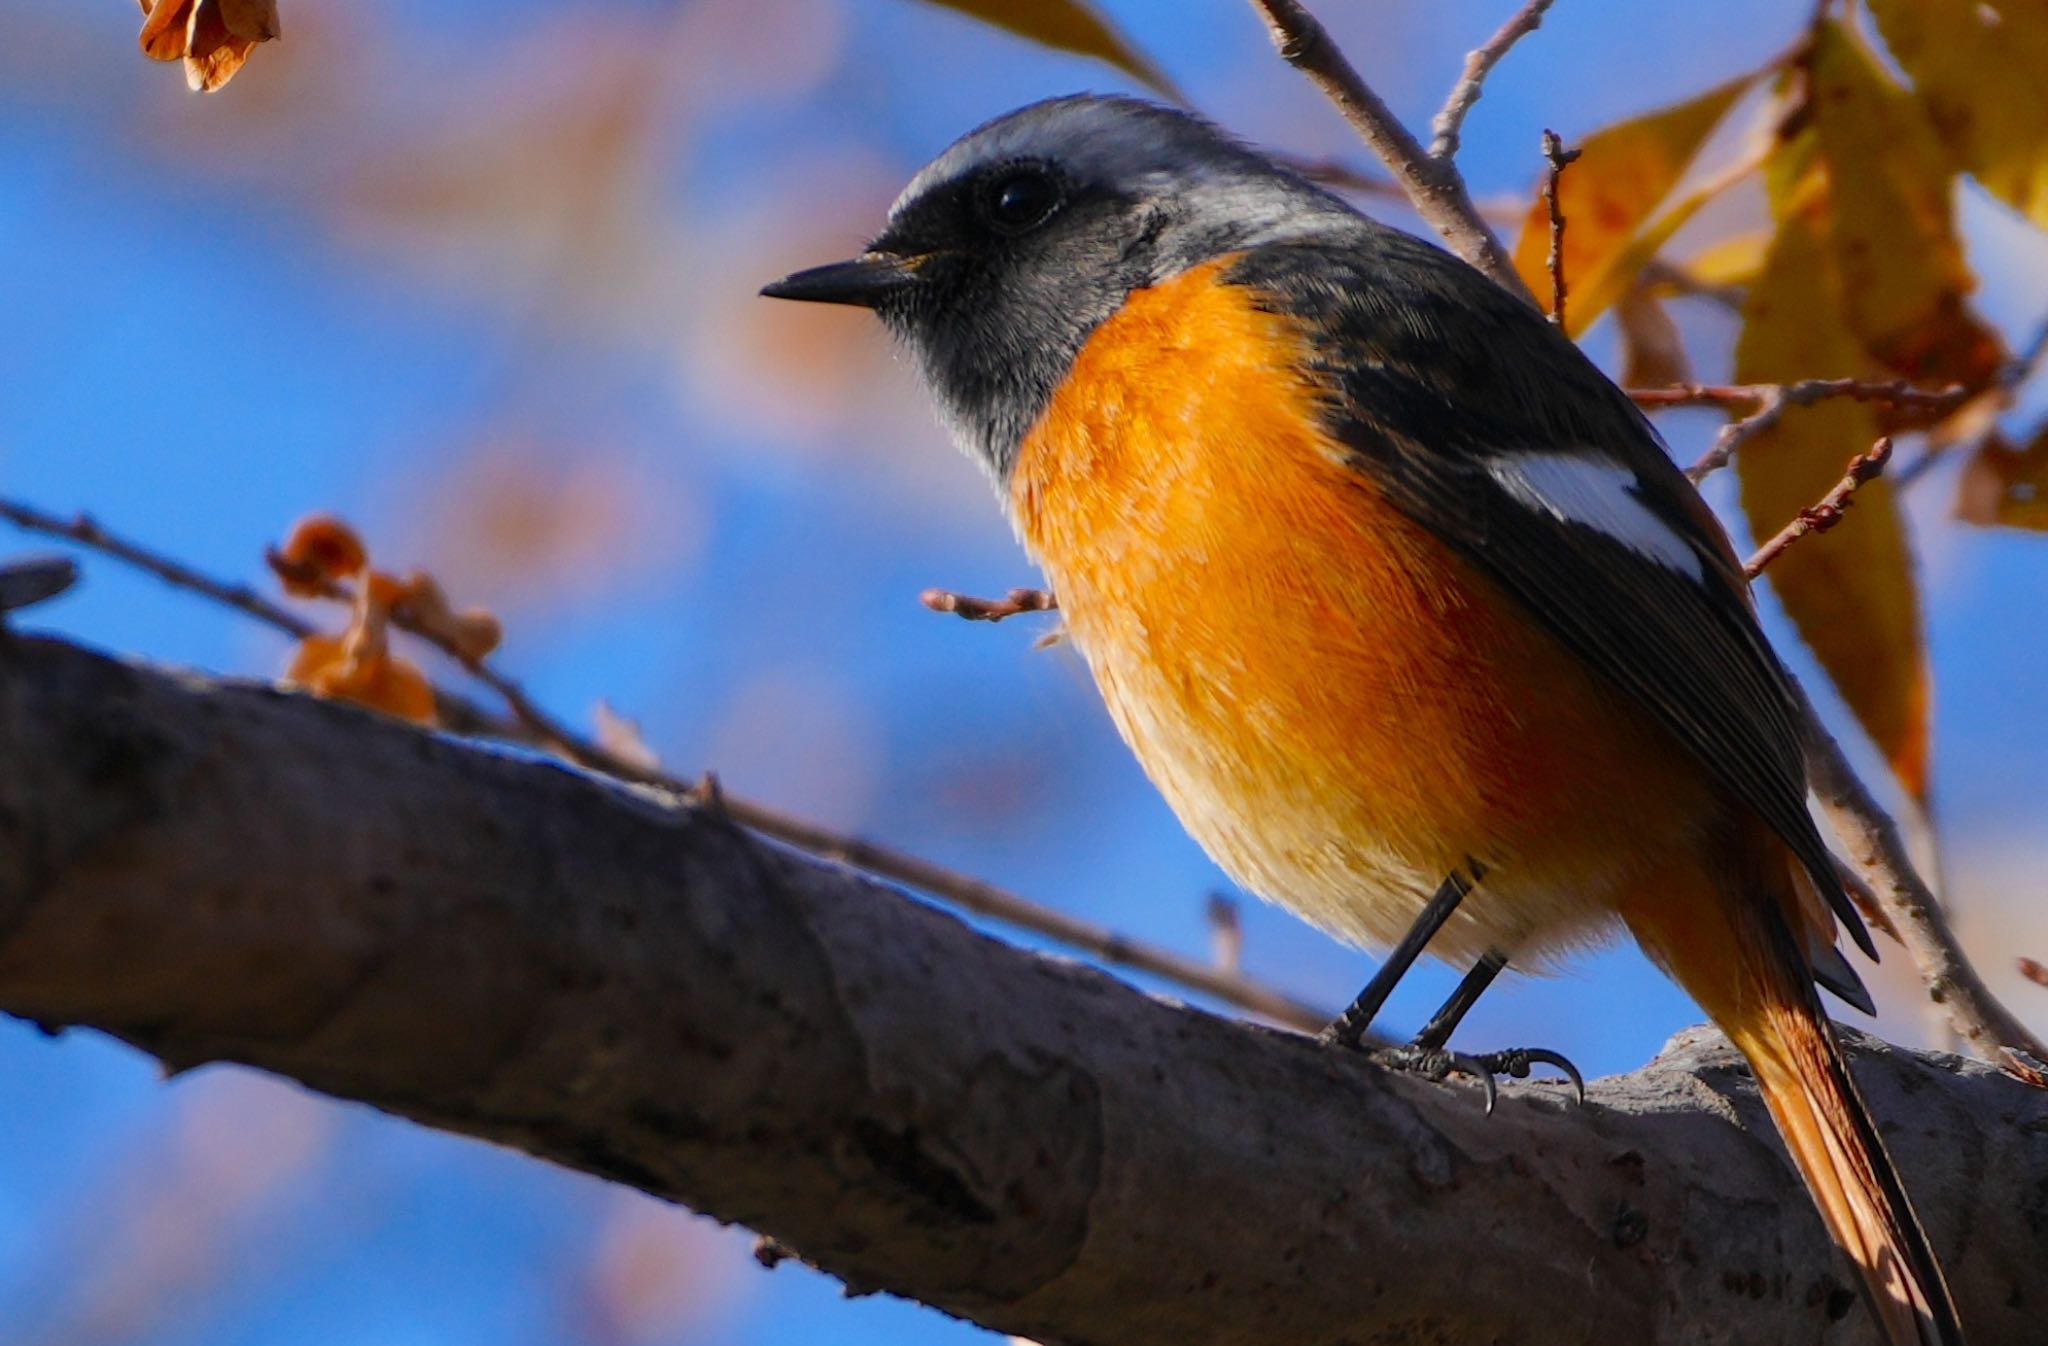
x: 1400, y: 602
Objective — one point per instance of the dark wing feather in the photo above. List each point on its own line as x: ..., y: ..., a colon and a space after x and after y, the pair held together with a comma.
x: 1435, y: 372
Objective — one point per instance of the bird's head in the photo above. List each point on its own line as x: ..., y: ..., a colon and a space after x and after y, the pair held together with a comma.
x: 1006, y: 252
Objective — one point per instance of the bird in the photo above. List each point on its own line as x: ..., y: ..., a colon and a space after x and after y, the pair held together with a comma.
x: 1400, y: 602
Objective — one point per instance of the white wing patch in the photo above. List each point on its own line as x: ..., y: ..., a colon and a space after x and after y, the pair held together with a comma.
x: 1598, y: 494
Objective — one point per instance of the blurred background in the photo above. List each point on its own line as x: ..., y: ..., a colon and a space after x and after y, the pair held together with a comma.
x: 481, y: 278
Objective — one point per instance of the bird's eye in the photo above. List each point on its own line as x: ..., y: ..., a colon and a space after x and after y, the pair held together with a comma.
x: 1021, y: 199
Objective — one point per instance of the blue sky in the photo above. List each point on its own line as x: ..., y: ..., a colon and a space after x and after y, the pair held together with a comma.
x: 383, y: 274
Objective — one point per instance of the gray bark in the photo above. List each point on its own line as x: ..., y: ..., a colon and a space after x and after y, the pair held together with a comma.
x: 630, y: 985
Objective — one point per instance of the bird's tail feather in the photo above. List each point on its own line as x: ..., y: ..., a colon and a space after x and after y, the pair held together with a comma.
x: 1744, y: 967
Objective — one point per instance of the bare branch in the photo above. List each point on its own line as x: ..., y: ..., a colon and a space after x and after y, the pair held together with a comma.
x: 1877, y: 851
x: 87, y: 532
x: 1771, y: 400
x: 636, y: 988
x: 1895, y: 392
x: 1827, y: 511
x: 1558, y: 157
x: 1434, y: 186
x: 1735, y: 434
x: 1450, y: 122
x: 1015, y: 603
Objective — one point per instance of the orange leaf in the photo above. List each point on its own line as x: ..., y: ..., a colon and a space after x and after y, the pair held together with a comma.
x: 320, y: 548
x: 1977, y: 71
x: 1890, y: 219
x: 163, y: 30
x: 325, y: 666
x: 1852, y: 595
x: 1622, y: 174
x: 1067, y: 25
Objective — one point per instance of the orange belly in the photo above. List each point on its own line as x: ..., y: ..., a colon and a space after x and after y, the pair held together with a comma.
x: 1338, y: 707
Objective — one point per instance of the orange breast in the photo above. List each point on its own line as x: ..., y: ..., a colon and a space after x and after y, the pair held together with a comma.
x: 1338, y: 707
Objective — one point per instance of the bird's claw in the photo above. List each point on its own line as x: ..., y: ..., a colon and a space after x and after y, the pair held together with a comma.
x: 1517, y: 1060
x: 1435, y: 1064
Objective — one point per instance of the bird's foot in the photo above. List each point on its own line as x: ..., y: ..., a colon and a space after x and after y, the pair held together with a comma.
x: 1436, y: 1064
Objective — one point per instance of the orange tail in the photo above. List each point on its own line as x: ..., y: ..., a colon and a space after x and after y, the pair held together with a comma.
x: 1744, y: 968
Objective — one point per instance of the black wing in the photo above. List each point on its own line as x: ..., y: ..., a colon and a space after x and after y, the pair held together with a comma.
x: 1438, y: 379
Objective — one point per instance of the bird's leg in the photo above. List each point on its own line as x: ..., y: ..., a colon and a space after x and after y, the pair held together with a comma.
x: 1426, y: 1056
x: 1348, y: 1028
x: 1445, y: 1021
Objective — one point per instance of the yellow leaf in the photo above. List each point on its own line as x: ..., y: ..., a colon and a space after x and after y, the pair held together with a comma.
x: 1066, y: 25
x: 1891, y: 219
x: 2006, y: 487
x: 1977, y: 69
x: 1607, y: 195
x: 163, y: 29
x: 1735, y: 260
x: 328, y: 666
x: 1852, y: 593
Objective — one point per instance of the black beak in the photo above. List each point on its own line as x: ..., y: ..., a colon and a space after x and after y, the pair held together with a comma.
x: 865, y: 281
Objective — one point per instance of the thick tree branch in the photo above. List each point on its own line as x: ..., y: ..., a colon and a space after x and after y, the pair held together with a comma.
x: 634, y: 986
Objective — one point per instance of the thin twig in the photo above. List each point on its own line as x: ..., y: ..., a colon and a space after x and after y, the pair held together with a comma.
x: 1896, y: 392
x: 531, y: 725
x: 86, y: 531
x: 1013, y: 604
x: 1735, y: 434
x: 1558, y: 157
x: 1827, y: 511
x: 1771, y: 400
x: 1479, y: 63
x: 1434, y: 186
x: 1875, y: 848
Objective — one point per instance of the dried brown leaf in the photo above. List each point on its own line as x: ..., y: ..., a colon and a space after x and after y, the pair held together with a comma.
x: 163, y: 29
x: 255, y: 20
x: 1852, y: 594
